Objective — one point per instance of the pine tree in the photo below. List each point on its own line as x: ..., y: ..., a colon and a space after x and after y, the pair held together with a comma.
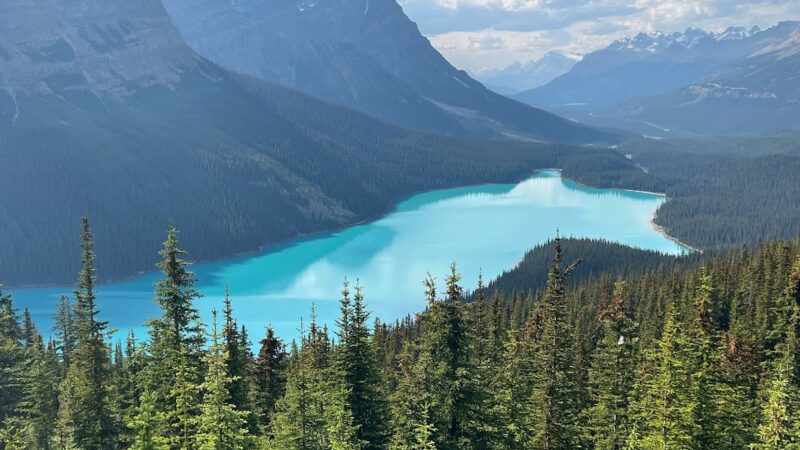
x: 270, y: 375
x: 357, y: 368
x: 147, y: 425
x: 554, y: 391
x: 664, y: 410
x: 64, y: 328
x: 220, y: 425
x: 612, y: 376
x: 85, y: 391
x: 446, y: 363
x: 11, y: 358
x: 39, y: 405
x: 780, y: 426
x: 175, y: 368
x: 299, y: 422
x: 238, y: 364
x: 12, y: 436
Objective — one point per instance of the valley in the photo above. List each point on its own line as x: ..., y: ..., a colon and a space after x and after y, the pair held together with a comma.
x: 298, y: 225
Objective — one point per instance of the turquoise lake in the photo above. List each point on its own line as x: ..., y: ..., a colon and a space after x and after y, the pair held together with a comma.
x: 484, y: 228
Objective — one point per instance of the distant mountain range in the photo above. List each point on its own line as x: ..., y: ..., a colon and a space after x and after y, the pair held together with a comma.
x: 691, y: 83
x: 104, y: 109
x: 364, y: 54
x: 520, y: 77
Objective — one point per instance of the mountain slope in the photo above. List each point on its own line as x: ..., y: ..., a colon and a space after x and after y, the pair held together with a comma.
x: 364, y: 54
x: 648, y: 64
x: 738, y: 81
x: 105, y: 110
x: 758, y: 93
x: 519, y: 77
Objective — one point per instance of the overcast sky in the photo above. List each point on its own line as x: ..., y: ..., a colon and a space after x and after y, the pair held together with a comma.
x: 475, y: 34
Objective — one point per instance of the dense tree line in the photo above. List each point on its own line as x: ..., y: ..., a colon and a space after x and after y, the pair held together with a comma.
x: 726, y: 191
x: 284, y: 176
x: 598, y: 257
x: 698, y: 357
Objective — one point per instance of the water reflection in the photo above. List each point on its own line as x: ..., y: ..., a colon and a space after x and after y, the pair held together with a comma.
x: 486, y: 228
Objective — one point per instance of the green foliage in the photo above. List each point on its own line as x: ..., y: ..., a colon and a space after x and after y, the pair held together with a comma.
x: 174, y: 368
x: 612, y: 376
x: 727, y: 191
x: 270, y: 376
x: 220, y: 425
x: 359, y: 375
x: 85, y: 393
x: 147, y: 425
x: 687, y: 357
x: 555, y: 390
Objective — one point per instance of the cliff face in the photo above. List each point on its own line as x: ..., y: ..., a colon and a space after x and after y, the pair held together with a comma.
x: 105, y: 47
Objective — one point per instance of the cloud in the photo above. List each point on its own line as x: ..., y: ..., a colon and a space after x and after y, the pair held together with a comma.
x: 476, y: 34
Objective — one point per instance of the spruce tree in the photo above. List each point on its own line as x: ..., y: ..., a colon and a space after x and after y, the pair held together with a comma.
x: 554, y: 391
x: 299, y: 422
x: 780, y: 427
x: 85, y: 394
x: 221, y: 426
x: 270, y: 375
x: 664, y: 410
x: 64, y: 329
x: 238, y: 365
x: 612, y: 376
x: 147, y: 425
x: 446, y: 361
x: 359, y: 374
x: 11, y: 358
x: 39, y: 405
x: 704, y: 363
x: 175, y: 367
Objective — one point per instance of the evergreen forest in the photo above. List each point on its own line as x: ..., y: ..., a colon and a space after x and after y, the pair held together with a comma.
x: 701, y: 354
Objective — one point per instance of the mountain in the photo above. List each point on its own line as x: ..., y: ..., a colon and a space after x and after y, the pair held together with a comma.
x: 105, y: 110
x: 519, y: 77
x: 645, y: 64
x: 758, y: 93
x: 737, y: 81
x: 364, y: 54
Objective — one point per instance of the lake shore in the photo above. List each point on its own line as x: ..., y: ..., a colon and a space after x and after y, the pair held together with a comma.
x: 387, y: 209
x: 663, y: 231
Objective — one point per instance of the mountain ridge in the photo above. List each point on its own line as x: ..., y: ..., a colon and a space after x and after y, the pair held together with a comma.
x: 125, y: 122
x: 683, y: 84
x: 364, y: 54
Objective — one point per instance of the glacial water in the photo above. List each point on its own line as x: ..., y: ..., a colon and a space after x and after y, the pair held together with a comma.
x: 484, y: 228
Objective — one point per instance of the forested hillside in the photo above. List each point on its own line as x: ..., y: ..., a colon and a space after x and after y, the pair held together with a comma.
x: 698, y: 357
x: 725, y: 191
x: 598, y: 258
x: 105, y: 110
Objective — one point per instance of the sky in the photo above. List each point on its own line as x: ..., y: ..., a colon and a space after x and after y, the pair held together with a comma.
x: 482, y: 34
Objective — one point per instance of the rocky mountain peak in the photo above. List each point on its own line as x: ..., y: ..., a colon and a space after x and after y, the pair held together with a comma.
x: 103, y: 46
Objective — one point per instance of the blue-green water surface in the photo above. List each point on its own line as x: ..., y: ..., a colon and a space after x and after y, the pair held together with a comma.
x: 484, y: 228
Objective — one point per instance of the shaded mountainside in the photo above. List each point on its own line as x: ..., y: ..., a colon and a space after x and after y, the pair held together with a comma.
x: 364, y: 54
x: 104, y: 110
